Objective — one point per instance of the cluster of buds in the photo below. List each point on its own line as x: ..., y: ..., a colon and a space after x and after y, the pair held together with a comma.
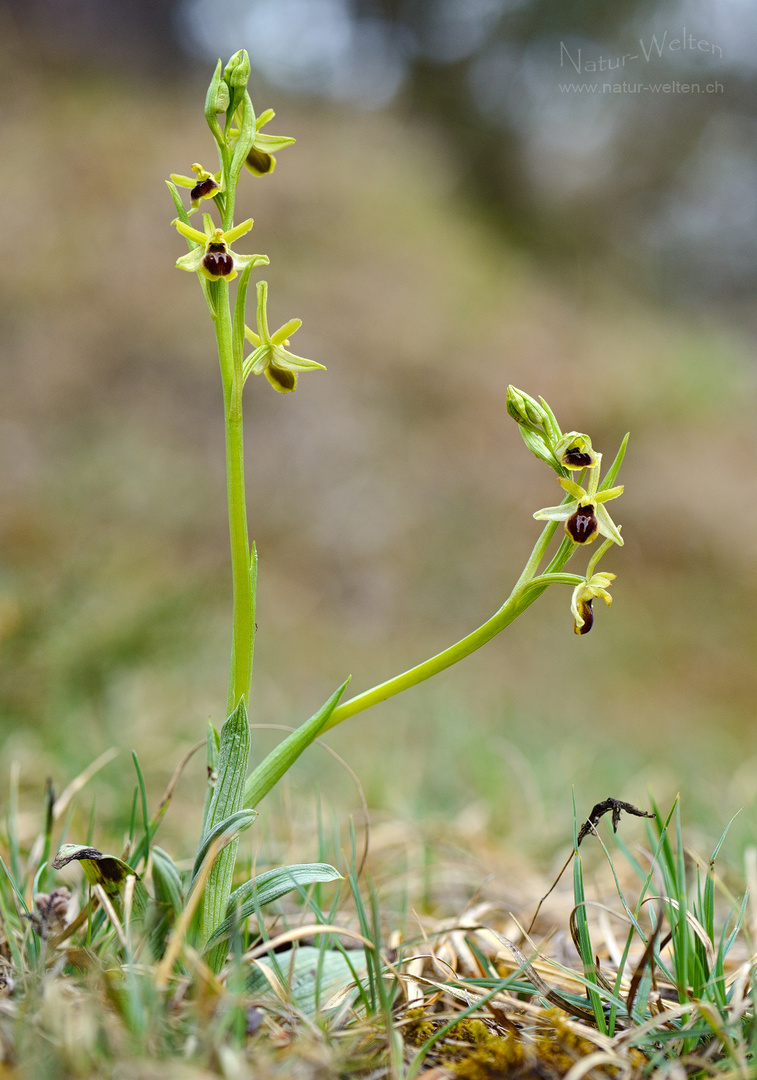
x: 240, y: 141
x: 583, y: 512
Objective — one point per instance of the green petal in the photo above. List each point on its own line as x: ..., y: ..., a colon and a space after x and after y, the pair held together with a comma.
x: 608, y: 493
x: 285, y: 331
x: 259, y: 360
x: 556, y: 513
x: 271, y: 144
x: 607, y: 526
x: 572, y: 488
x: 264, y: 118
x: 192, y: 260
x: 190, y: 233
x: 290, y: 362
x: 183, y: 181
x: 578, y: 596
x: 237, y: 231
x: 241, y: 262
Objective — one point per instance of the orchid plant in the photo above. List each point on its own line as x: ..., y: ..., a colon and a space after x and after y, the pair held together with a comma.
x: 203, y: 909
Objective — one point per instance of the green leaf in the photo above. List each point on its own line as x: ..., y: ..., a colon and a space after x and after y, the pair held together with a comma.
x: 281, y: 758
x: 212, y: 747
x: 267, y: 887
x: 538, y: 446
x: 612, y: 472
x: 228, y: 829
x: 239, y: 310
x: 166, y: 880
x: 180, y: 209
x: 314, y: 976
x: 167, y: 903
x: 551, y: 426
x: 245, y: 141
x: 233, y: 756
x: 108, y: 871
x: 216, y: 100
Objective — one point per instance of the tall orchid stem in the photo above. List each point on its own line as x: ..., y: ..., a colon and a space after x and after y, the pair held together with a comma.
x: 243, y: 562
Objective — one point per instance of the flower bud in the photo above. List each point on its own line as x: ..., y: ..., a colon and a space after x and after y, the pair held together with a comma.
x: 237, y: 72
x: 524, y: 409
x: 236, y: 75
x: 221, y: 99
x: 217, y: 98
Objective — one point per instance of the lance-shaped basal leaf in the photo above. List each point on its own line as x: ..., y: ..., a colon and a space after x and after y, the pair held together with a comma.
x: 107, y: 871
x: 168, y: 900
x: 317, y: 979
x: 267, y: 887
x: 227, y: 801
x: 166, y: 880
x: 212, y: 748
x: 227, y: 830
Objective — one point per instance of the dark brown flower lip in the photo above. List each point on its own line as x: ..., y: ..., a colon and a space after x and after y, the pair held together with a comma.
x: 582, y: 526
x: 217, y: 260
x: 587, y: 615
x: 578, y: 459
x: 259, y: 161
x: 203, y: 188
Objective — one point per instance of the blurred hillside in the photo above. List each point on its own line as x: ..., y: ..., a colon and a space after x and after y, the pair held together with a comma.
x: 390, y: 497
x: 616, y: 139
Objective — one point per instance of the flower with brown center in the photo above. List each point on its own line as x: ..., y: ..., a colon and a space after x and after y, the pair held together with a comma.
x: 212, y: 255
x: 270, y: 357
x: 585, y: 515
x: 204, y: 185
x: 583, y: 595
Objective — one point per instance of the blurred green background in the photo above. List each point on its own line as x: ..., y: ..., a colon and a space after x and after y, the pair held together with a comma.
x: 450, y: 221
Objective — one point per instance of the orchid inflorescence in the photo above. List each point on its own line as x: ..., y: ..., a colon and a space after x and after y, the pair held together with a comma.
x: 240, y: 142
x: 583, y: 511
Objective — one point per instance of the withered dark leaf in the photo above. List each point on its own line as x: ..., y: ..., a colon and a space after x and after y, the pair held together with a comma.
x: 617, y: 806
